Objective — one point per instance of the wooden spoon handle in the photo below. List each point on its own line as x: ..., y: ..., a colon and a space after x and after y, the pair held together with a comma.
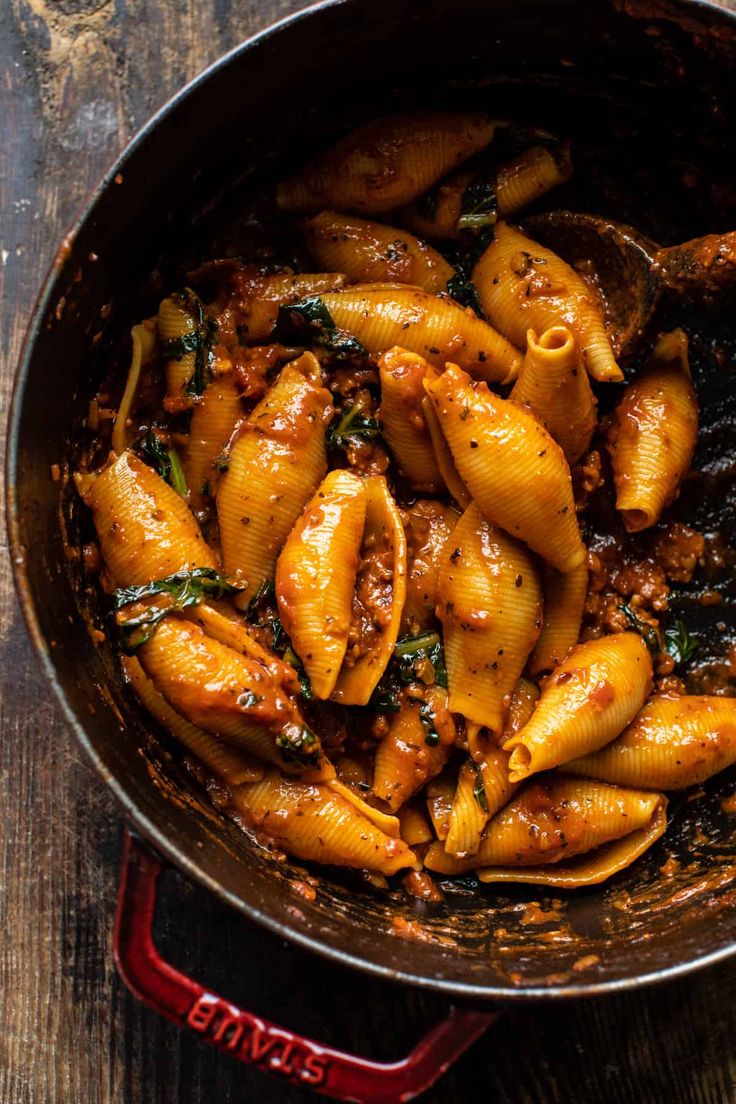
x: 700, y: 268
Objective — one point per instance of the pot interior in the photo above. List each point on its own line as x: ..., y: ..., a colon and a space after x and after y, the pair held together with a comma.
x: 644, y: 97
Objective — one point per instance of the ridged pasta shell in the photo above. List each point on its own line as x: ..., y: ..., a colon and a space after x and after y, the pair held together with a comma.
x: 468, y: 818
x: 275, y: 466
x: 404, y: 760
x: 674, y: 742
x: 427, y: 525
x: 385, y: 821
x: 443, y: 456
x: 315, y: 577
x: 553, y: 820
x: 371, y: 252
x: 225, y: 693
x: 175, y: 321
x: 232, y: 767
x: 516, y: 184
x: 146, y: 530
x: 587, y: 701
x: 379, y: 597
x: 387, y: 162
x: 564, y: 600
x: 404, y: 429
x: 523, y: 703
x: 555, y: 386
x: 414, y: 826
x: 523, y: 286
x: 258, y: 310
x: 652, y: 435
x: 436, y: 327
x: 490, y: 606
x: 214, y: 420
x: 590, y: 869
x: 516, y: 473
x: 317, y: 824
x: 440, y: 796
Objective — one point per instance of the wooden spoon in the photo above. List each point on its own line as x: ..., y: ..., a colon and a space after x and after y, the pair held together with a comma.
x: 632, y: 271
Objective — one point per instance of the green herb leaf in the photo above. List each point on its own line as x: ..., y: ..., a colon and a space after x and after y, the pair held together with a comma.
x: 408, y: 664
x: 464, y: 291
x: 646, y: 631
x: 679, y: 643
x: 479, y: 209
x: 183, y: 589
x: 479, y: 790
x: 199, y: 342
x: 353, y: 425
x: 310, y: 323
x: 262, y: 613
x: 297, y: 744
x: 162, y: 458
x: 431, y: 735
x: 411, y: 652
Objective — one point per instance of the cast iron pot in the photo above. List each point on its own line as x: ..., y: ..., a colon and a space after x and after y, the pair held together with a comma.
x: 643, y: 88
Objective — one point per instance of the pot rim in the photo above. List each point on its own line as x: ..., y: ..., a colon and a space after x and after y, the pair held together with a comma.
x: 139, y: 821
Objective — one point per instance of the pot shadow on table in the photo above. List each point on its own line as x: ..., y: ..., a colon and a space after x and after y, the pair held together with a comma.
x: 576, y: 1051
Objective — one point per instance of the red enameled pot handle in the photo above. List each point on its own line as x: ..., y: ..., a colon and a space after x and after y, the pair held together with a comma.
x: 256, y: 1041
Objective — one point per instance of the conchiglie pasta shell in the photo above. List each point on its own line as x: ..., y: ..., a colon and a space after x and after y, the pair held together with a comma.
x: 404, y: 760
x: 467, y: 817
x: 555, y: 386
x: 564, y: 599
x: 175, y: 321
x: 427, y: 524
x: 387, y: 162
x: 443, y: 456
x: 523, y: 703
x: 214, y: 420
x: 554, y: 820
x: 440, y: 795
x: 275, y: 466
x: 383, y: 537
x: 314, y: 823
x: 652, y: 438
x: 387, y: 823
x: 674, y: 742
x: 146, y: 530
x: 402, y: 393
x: 489, y: 603
x: 232, y: 767
x: 210, y: 685
x: 440, y: 222
x: 414, y: 826
x: 259, y: 309
x: 590, y: 869
x: 437, y: 328
x: 523, y: 286
x: 223, y: 624
x: 516, y: 473
x: 587, y: 701
x: 370, y: 252
x: 315, y: 577
x: 530, y: 175
x: 516, y: 184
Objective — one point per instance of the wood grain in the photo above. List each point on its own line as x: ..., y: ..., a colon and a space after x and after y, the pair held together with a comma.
x: 77, y: 78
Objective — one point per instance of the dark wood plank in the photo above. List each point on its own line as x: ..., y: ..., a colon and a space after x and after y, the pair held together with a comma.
x: 77, y: 77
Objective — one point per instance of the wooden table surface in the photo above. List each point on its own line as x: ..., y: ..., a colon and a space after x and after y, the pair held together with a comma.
x: 77, y: 78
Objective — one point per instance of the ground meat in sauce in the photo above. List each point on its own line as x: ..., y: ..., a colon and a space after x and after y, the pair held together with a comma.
x: 637, y: 575
x: 371, y: 612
